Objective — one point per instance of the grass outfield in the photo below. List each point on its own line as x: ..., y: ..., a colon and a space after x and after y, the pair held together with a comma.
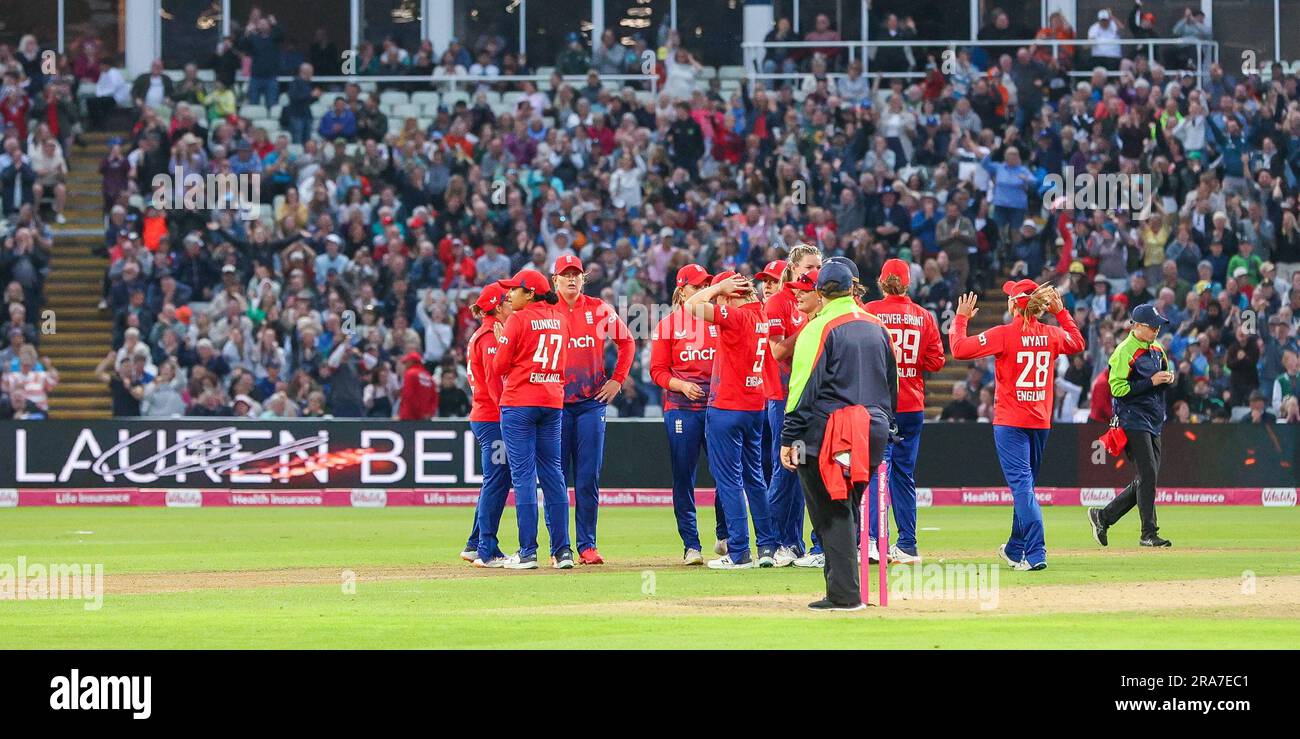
x: 348, y: 578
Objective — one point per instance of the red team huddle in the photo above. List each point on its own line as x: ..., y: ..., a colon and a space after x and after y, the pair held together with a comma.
x: 722, y: 357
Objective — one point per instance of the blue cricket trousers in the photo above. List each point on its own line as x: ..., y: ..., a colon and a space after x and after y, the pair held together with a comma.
x: 1020, y: 451
x: 532, y: 437
x: 900, y: 458
x: 735, y: 449
x: 582, y: 448
x: 495, y: 489
x: 685, y: 439
x: 784, y: 493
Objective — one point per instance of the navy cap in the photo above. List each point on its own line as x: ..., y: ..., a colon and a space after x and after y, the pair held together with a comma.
x: 846, y: 262
x: 1146, y: 314
x: 834, y: 277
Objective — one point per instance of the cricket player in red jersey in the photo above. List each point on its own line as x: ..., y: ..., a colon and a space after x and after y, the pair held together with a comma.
x: 1025, y: 352
x: 682, y: 349
x: 784, y: 321
x: 530, y: 356
x: 767, y: 283
x: 734, y: 425
x: 918, y: 348
x: 587, y: 392
x: 485, y: 422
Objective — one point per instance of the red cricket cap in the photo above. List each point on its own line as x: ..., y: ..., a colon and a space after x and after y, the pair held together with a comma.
x: 806, y: 282
x: 529, y: 279
x: 491, y: 297
x: 772, y: 271
x: 725, y: 274
x: 896, y: 268
x: 412, y: 357
x: 568, y: 261
x: 1020, y: 290
x: 692, y: 274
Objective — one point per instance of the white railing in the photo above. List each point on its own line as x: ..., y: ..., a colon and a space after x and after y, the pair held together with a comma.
x: 466, y: 79
x: 1207, y: 53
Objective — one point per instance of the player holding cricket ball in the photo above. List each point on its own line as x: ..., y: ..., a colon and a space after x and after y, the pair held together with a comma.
x: 682, y: 349
x: 1025, y: 352
x: 587, y: 392
x: 734, y: 420
x: 918, y: 347
x: 530, y: 355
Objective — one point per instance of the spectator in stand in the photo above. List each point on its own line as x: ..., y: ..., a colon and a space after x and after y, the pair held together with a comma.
x: 1106, y: 54
x: 261, y: 41
x: 959, y: 408
x: 452, y: 400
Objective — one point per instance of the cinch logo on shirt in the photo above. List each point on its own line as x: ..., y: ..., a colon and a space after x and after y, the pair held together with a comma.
x: 582, y: 342
x: 696, y: 355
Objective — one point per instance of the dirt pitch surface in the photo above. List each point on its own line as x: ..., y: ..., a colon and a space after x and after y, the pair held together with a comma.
x: 1276, y: 596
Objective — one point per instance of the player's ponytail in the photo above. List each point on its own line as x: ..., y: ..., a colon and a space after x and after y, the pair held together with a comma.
x: 892, y: 285
x: 551, y: 298
x: 677, y: 296
x: 796, y: 255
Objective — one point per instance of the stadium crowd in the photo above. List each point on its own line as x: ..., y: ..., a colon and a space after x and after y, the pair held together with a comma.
x: 379, y: 231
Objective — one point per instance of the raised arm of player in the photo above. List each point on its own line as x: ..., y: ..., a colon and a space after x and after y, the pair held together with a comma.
x: 972, y: 347
x: 1068, y: 338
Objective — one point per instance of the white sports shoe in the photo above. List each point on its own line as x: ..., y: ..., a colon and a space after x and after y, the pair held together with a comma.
x: 515, y: 562
x: 1022, y: 565
x: 873, y: 551
x: 692, y: 557
x: 492, y: 564
x: 469, y: 555
x: 725, y: 563
x: 784, y: 557
x: 816, y: 561
x: 720, y: 547
x: 898, y: 555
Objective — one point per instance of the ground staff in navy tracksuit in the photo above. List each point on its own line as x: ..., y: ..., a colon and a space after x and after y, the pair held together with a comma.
x: 1140, y: 376
x: 682, y: 349
x: 485, y: 422
x: 530, y: 355
x: 734, y: 425
x: 588, y: 389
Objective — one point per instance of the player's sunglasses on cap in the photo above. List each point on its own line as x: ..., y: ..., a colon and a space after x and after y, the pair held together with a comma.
x: 807, y: 281
x: 491, y: 297
x: 772, y: 271
x: 896, y: 268
x: 528, y: 279
x: 567, y: 262
x: 1020, y: 291
x: 692, y: 274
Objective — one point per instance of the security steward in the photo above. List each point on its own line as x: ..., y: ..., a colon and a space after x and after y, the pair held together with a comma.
x: 1140, y: 378
x: 843, y: 390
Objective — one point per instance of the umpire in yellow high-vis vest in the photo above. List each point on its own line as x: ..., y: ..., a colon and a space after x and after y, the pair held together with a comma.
x: 1140, y: 376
